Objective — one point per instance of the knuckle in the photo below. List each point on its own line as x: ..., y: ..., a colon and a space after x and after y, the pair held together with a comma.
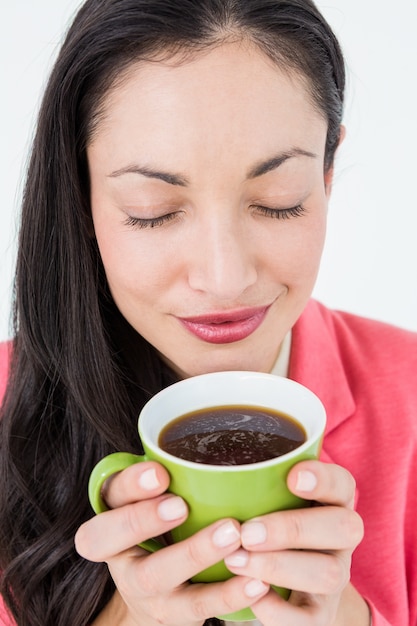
x: 199, y: 608
x: 276, y: 568
x: 358, y: 530
x: 342, y: 482
x: 295, y: 531
x: 82, y: 542
x: 351, y: 488
x: 228, y: 604
x: 351, y: 483
x: 202, y: 606
x: 149, y: 578
x: 196, y: 554
x: 353, y: 528
x: 132, y: 523
x: 335, y: 575
x: 348, y: 478
x: 160, y: 612
x: 86, y: 542
x: 231, y: 595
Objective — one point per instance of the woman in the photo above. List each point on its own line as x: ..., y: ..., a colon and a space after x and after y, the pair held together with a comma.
x: 173, y: 222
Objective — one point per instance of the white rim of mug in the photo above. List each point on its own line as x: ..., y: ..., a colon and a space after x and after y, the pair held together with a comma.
x: 246, y: 467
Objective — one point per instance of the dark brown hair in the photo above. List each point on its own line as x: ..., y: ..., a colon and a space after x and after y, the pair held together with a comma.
x: 79, y: 372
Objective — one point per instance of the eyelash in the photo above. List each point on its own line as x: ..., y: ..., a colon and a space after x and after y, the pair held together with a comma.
x: 154, y: 222
x: 281, y: 214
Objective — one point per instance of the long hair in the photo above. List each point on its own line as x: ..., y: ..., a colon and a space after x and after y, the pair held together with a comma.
x: 79, y: 372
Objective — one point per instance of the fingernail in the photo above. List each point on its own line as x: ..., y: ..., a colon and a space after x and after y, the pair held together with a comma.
x: 306, y: 481
x: 253, y: 533
x: 149, y: 480
x: 225, y: 535
x: 237, y: 559
x: 255, y: 588
x: 172, y: 508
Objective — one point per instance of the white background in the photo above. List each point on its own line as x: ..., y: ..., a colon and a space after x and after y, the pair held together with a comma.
x: 370, y: 261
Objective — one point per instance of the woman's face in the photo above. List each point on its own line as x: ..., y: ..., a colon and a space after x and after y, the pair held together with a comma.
x: 209, y: 205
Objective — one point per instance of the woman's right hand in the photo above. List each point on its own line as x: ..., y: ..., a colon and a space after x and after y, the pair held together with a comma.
x: 153, y: 588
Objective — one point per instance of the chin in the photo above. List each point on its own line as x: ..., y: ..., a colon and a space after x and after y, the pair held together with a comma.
x: 224, y: 363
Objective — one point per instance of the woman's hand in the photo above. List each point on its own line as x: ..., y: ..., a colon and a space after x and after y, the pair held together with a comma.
x: 307, y: 550
x: 153, y: 588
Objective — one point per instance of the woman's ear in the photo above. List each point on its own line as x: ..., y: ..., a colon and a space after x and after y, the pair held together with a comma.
x: 328, y: 175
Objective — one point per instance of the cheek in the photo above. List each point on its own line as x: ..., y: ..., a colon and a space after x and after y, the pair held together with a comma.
x: 133, y: 267
x: 295, y: 253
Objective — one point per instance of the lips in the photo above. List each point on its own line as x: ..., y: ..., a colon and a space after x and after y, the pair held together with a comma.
x: 225, y: 326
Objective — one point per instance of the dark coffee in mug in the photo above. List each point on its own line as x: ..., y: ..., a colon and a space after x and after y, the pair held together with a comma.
x: 231, y: 435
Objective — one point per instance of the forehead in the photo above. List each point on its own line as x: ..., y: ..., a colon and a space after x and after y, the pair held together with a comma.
x: 230, y: 95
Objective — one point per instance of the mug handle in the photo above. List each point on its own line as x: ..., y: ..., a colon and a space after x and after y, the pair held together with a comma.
x: 112, y: 464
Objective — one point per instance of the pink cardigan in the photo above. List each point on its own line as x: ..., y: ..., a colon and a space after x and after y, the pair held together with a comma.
x: 365, y: 372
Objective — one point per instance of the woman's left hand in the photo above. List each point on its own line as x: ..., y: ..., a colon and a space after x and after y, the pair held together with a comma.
x: 307, y: 550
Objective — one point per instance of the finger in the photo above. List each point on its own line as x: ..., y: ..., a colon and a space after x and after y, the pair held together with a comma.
x: 302, y: 609
x: 311, y: 572
x: 137, y: 482
x: 323, y: 482
x: 169, y: 568
x: 108, y: 534
x: 199, y: 602
x: 315, y: 528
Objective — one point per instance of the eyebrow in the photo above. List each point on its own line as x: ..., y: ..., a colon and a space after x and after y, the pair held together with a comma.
x: 259, y: 169
x: 276, y: 161
x: 167, y: 177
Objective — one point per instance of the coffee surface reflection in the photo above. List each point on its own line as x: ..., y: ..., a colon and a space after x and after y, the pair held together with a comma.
x: 231, y: 435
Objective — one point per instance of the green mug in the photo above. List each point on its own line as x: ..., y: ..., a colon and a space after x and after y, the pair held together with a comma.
x: 213, y: 492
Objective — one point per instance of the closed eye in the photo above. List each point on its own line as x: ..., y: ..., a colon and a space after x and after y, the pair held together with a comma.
x: 280, y: 214
x: 151, y: 222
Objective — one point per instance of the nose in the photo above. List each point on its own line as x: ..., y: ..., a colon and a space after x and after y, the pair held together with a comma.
x: 222, y: 264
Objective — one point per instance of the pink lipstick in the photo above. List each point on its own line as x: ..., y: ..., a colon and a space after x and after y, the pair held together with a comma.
x: 226, y: 326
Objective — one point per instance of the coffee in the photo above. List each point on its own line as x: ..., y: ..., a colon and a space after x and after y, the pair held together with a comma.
x: 231, y: 435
